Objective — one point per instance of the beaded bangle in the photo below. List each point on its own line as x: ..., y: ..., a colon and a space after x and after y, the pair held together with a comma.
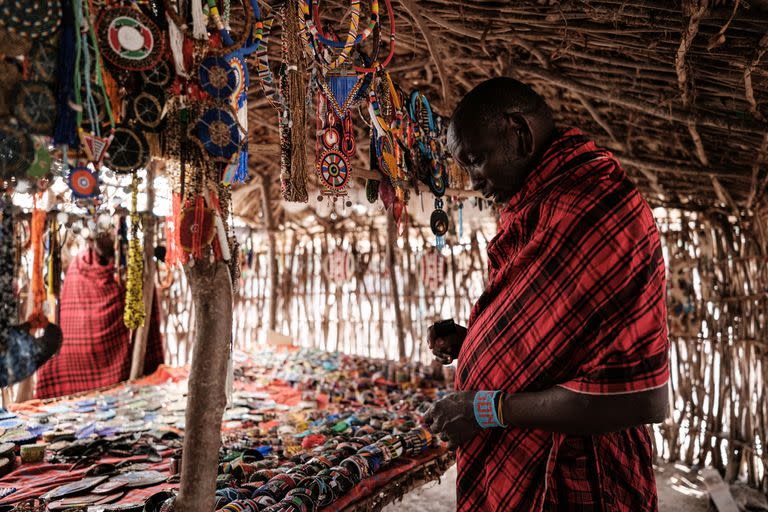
x: 376, y: 66
x: 500, y: 409
x: 485, y: 409
x: 362, y: 36
x: 352, y: 32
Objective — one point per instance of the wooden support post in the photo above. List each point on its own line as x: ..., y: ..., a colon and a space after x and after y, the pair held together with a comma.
x: 26, y: 390
x: 141, y: 335
x: 212, y: 296
x: 269, y: 225
x: 391, y: 245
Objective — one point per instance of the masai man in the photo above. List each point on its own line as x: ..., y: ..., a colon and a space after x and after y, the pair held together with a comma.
x: 97, y: 350
x: 565, y: 358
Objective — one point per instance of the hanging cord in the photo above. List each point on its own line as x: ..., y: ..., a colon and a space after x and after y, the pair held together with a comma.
x: 134, y: 300
x: 99, y: 71
x: 296, y: 94
x: 78, y: 14
x: 89, y: 103
x: 37, y: 319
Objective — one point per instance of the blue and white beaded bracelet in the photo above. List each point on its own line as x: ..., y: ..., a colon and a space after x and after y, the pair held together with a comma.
x: 485, y: 409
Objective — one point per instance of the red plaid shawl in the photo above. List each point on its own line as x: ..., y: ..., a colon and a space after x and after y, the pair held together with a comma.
x: 576, y: 299
x: 96, y: 350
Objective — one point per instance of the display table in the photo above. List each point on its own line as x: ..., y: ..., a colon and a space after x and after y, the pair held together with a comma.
x: 288, y: 406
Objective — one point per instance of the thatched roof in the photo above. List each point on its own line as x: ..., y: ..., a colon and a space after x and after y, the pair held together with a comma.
x: 677, y: 90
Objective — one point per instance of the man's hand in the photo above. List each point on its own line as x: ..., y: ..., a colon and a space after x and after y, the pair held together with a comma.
x: 446, y: 346
x: 453, y: 418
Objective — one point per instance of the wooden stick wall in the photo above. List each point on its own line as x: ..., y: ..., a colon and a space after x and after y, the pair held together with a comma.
x: 718, y: 311
x: 356, y: 316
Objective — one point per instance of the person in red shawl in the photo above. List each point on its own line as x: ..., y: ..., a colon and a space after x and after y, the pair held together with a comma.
x: 96, y: 350
x: 565, y: 358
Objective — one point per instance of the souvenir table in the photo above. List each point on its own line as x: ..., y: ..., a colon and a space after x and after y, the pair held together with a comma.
x: 122, y: 446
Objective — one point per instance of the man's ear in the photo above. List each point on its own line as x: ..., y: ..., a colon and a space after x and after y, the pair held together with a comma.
x: 517, y: 122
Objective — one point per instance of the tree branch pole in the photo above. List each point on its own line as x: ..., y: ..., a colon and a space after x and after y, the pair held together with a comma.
x: 148, y: 286
x: 269, y: 227
x: 391, y: 245
x: 212, y: 297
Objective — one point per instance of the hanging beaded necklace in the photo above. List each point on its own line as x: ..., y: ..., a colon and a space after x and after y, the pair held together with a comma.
x: 94, y: 143
x: 134, y: 314
x: 429, y: 156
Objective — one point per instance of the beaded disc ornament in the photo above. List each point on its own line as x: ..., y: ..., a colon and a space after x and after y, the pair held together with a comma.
x: 128, y: 39
x: 189, y: 225
x: 83, y: 183
x: 217, y: 77
x: 161, y: 75
x: 43, y: 60
x: 17, y: 152
x: 218, y: 132
x: 333, y: 169
x: 148, y: 107
x: 36, y: 107
x: 127, y: 152
x: 31, y: 18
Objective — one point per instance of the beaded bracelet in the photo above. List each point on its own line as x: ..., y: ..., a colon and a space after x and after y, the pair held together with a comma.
x: 500, y: 409
x: 485, y: 409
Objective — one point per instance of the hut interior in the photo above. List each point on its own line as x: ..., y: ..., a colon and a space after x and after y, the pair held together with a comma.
x: 326, y: 265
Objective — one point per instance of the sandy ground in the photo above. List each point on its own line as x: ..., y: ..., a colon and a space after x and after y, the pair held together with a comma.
x: 675, y: 495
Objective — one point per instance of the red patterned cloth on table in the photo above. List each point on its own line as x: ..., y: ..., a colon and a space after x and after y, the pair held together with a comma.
x: 33, y: 480
x: 96, y: 350
x: 575, y: 298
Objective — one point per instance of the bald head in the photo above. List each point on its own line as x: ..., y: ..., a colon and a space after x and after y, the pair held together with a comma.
x: 497, y: 133
x: 493, y: 100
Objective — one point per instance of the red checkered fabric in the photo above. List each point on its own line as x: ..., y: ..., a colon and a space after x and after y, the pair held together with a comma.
x: 575, y: 298
x: 96, y: 350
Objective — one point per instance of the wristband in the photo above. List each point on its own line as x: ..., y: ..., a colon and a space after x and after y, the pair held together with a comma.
x: 485, y: 409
